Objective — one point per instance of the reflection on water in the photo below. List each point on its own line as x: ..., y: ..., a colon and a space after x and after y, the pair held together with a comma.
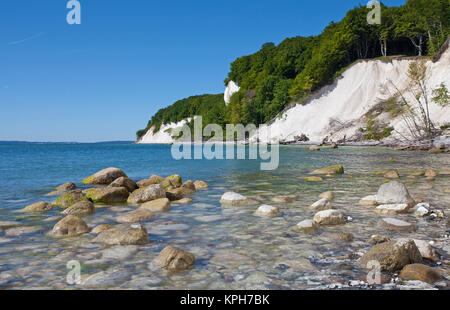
x: 234, y: 249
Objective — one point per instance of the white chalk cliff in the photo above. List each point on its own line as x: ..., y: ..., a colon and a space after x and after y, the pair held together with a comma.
x: 163, y: 136
x: 231, y: 89
x: 336, y: 111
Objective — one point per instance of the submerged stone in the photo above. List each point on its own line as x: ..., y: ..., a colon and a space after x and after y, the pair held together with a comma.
x: 369, y: 201
x: 38, y: 207
x: 174, y: 259
x: 328, y: 195
x: 70, y: 226
x: 329, y: 217
x: 136, y: 216
x: 306, y: 226
x: 99, y: 228
x: 108, y: 194
x: 124, y: 235
x: 235, y: 199
x: 393, y: 209
x: 329, y: 170
x: 396, y: 224
x: 81, y: 208
x: 267, y: 211
x: 420, y: 272
x: 158, y: 205
x: 314, y: 179
x: 392, y: 175
x: 321, y: 205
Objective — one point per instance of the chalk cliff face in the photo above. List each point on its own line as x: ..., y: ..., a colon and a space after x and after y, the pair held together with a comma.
x: 163, y: 136
x: 338, y: 111
x: 231, y: 89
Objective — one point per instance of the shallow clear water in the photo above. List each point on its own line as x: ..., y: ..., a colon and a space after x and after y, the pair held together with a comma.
x: 234, y: 248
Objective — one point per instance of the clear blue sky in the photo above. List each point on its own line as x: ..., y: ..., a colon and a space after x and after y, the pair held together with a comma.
x: 103, y: 80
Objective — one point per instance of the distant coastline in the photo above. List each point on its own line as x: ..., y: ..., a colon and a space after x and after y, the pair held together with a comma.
x: 34, y: 142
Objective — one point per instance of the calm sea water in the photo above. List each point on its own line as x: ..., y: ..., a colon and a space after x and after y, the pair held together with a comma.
x: 234, y: 249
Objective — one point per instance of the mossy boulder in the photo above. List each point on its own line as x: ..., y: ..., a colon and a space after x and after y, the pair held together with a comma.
x: 105, y: 176
x: 173, y: 181
x: 329, y: 170
x: 66, y: 187
x: 154, y: 179
x: 392, y: 255
x: 63, y: 188
x: 306, y: 226
x: 41, y: 206
x: 68, y: 199
x: 108, y: 194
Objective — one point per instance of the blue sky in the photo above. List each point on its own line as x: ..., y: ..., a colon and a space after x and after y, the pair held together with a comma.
x: 103, y: 80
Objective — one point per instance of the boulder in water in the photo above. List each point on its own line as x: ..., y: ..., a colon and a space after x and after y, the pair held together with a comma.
x: 129, y: 184
x: 108, y: 194
x: 81, y: 208
x: 158, y: 205
x: 420, y: 272
x: 394, y: 193
x: 174, y: 259
x: 329, y: 170
x: 41, y: 206
x: 69, y: 199
x: 392, y: 255
x: 124, y: 235
x: 235, y: 199
x: 148, y: 193
x: 321, y: 205
x: 329, y: 217
x: 136, y: 216
x: 200, y: 185
x: 267, y: 211
x: 70, y: 226
x: 105, y: 176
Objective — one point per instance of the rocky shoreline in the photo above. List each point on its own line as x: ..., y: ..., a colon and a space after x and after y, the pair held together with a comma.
x: 396, y: 259
x: 438, y: 145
